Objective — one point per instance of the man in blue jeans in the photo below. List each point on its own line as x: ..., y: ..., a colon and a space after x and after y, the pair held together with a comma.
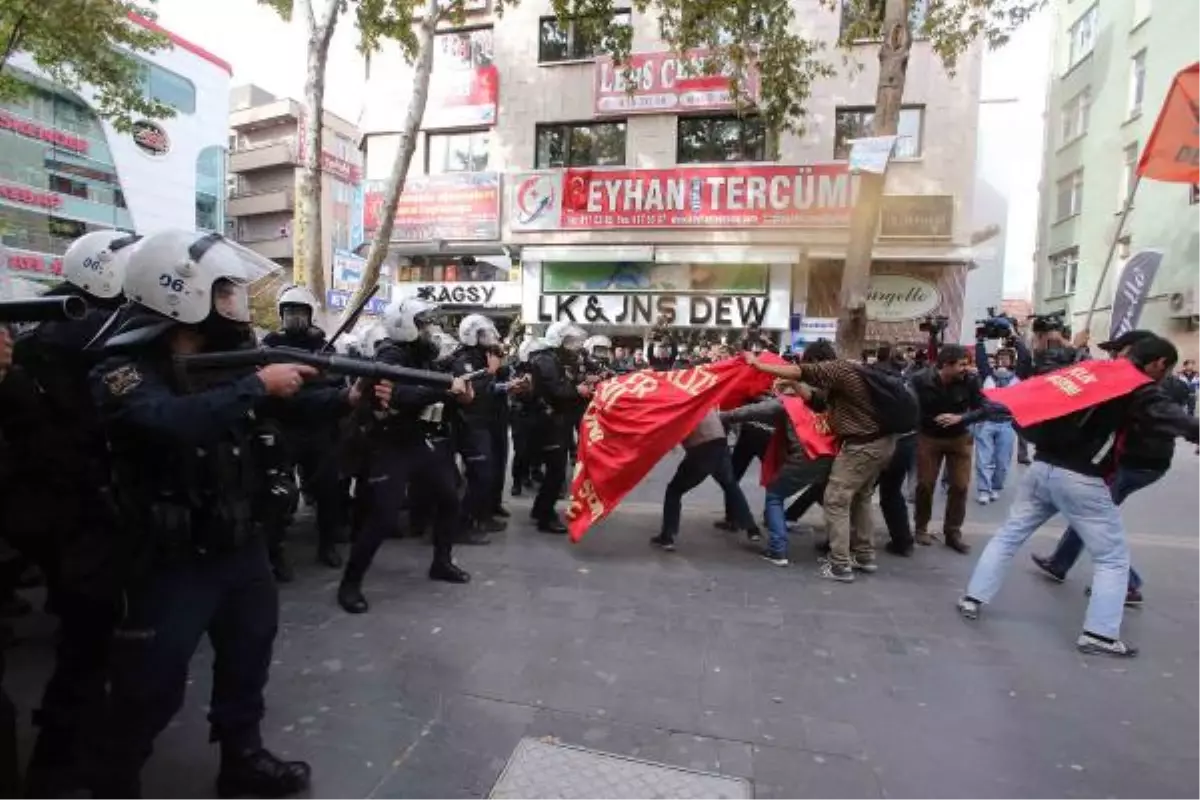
x: 1143, y: 457
x: 994, y: 438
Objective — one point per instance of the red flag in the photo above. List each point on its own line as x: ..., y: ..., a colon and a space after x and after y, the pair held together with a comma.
x: 812, y: 429
x: 1173, y: 151
x: 577, y: 184
x: 634, y: 420
x: 1065, y: 391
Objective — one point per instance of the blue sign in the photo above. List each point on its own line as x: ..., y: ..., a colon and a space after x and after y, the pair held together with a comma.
x: 338, y: 300
x: 358, y: 209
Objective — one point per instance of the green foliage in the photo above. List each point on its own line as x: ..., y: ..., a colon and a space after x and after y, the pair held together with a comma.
x: 84, y: 43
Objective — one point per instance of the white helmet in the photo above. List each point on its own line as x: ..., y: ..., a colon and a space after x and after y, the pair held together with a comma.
x: 530, y: 346
x: 447, y: 345
x: 598, y: 347
x: 297, y: 296
x: 348, y: 345
x: 296, y: 308
x: 405, y: 319
x: 186, y: 275
x: 96, y: 262
x: 476, y: 329
x: 372, y: 338
x: 565, y: 334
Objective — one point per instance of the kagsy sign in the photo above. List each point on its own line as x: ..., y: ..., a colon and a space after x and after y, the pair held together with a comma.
x: 664, y: 82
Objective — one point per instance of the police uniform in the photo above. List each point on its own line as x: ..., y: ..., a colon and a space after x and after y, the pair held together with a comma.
x: 560, y: 400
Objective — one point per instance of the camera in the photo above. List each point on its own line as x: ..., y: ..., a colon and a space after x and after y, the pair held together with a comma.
x: 933, y: 325
x: 1053, y: 321
x: 995, y: 326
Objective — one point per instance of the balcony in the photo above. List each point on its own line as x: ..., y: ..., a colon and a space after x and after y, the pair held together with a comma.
x: 269, y: 202
x: 249, y: 159
x: 275, y: 248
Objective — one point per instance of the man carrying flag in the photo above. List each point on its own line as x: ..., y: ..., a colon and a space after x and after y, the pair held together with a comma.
x: 1075, y: 417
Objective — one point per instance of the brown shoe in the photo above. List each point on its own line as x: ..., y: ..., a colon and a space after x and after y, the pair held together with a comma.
x: 957, y: 544
x: 923, y: 538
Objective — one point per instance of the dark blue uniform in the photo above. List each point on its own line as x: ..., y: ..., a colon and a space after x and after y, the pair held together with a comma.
x: 185, y: 479
x: 559, y: 400
x: 476, y: 442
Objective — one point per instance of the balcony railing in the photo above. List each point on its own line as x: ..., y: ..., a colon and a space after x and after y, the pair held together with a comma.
x: 262, y: 156
x: 268, y: 202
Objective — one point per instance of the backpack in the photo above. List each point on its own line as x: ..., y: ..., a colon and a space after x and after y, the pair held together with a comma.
x: 895, y: 404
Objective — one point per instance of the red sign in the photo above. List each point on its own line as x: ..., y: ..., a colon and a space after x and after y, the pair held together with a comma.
x: 665, y: 83
x: 340, y: 168
x: 29, y: 261
x: 771, y: 196
x: 455, y: 206
x: 459, y: 97
x: 151, y: 138
x: 69, y: 141
x: 28, y: 196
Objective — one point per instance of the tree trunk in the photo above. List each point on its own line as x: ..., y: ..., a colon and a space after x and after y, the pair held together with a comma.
x: 864, y: 221
x: 405, y: 147
x: 308, y: 266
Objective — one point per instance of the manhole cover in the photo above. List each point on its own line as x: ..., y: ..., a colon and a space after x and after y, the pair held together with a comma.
x: 540, y: 770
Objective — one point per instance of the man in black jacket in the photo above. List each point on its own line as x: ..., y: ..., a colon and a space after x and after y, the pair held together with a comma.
x: 478, y: 446
x: 951, y: 400
x: 1074, y: 453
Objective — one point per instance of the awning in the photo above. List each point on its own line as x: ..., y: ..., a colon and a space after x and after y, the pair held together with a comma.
x: 664, y: 254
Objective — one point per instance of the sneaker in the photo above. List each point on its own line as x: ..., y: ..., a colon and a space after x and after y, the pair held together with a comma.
x: 754, y: 535
x: 867, y: 566
x: 995, y: 496
x: 663, y: 542
x: 1092, y: 645
x: 984, y: 498
x: 968, y: 607
x: 778, y: 559
x: 1047, y: 567
x: 836, y: 572
x: 1133, y: 597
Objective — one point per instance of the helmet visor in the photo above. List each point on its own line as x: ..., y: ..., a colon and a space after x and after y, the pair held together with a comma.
x: 231, y: 300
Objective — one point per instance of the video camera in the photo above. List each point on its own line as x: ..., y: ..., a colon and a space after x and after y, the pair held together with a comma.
x: 996, y: 326
x: 1053, y: 321
x: 933, y: 325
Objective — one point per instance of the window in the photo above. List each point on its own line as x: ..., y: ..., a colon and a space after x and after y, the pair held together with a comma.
x: 1128, y: 175
x: 1082, y: 36
x: 210, y: 189
x: 456, y: 152
x: 1064, y: 268
x: 1075, y: 115
x: 167, y: 87
x: 1137, y: 83
x: 863, y: 19
x: 711, y: 140
x: 1070, y: 195
x: 856, y: 123
x: 565, y: 40
x: 463, y: 50
x: 597, y: 144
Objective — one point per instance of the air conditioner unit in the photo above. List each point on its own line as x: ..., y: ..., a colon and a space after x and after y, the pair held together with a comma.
x: 1183, y: 304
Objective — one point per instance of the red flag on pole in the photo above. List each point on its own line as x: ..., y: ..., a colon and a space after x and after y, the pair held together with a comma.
x: 634, y: 420
x: 1172, y: 153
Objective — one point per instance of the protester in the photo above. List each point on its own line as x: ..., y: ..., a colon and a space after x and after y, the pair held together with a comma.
x: 994, y: 438
x: 1191, y: 379
x: 892, y: 502
x: 950, y: 401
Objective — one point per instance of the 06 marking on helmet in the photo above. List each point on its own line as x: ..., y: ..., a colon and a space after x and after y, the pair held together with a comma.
x: 94, y: 264
x: 174, y: 284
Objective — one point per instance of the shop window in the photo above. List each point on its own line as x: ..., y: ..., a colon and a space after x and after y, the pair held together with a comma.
x: 566, y: 40
x: 1064, y: 269
x: 858, y: 123
x: 210, y: 189
x: 597, y: 144
x: 456, y: 152
x: 711, y: 140
x: 1069, y: 196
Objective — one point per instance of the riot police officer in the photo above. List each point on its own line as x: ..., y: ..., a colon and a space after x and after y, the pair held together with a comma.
x: 185, y: 481
x: 478, y: 355
x: 598, y: 357
x: 560, y: 397
x: 62, y: 517
x: 310, y: 448
x: 394, y: 452
x: 525, y: 409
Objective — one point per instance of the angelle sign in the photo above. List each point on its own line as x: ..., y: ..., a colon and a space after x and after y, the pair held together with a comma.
x: 896, y: 298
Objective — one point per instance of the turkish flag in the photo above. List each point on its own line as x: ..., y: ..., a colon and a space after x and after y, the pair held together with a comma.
x: 575, y: 189
x: 1171, y: 153
x: 1065, y: 391
x: 812, y: 429
x: 635, y: 419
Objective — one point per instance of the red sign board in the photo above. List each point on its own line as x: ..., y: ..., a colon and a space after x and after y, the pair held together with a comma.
x: 28, y: 196
x: 664, y: 83
x: 38, y: 263
x: 340, y: 168
x: 771, y: 196
x: 456, y: 206
x: 24, y: 127
x: 460, y: 97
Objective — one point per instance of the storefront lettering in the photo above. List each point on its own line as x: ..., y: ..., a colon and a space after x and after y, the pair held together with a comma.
x: 69, y: 141
x: 721, y: 311
x: 30, y: 262
x: 29, y: 197
x: 474, y: 295
x: 719, y: 193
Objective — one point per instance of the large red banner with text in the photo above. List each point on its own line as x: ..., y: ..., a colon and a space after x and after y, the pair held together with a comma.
x: 634, y: 420
x: 665, y: 83
x: 1065, y: 391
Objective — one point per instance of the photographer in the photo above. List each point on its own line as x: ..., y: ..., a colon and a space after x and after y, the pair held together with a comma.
x: 1051, y: 349
x: 995, y: 438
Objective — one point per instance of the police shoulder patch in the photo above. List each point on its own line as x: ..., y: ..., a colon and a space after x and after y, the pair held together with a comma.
x: 122, y: 380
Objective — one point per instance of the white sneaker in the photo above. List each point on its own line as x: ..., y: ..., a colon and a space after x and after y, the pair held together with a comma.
x: 995, y: 497
x: 1094, y: 645
x: 984, y: 498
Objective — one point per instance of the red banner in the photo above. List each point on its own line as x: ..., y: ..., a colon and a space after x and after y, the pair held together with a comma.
x: 1172, y: 153
x: 456, y: 206
x: 1065, y: 391
x: 336, y: 166
x: 812, y: 429
x: 664, y: 83
x: 767, y: 196
x: 634, y: 420
x: 463, y: 97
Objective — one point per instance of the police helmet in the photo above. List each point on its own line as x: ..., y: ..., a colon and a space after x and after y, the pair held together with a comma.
x: 565, y: 334
x: 598, y: 347
x: 296, y: 307
x: 96, y: 262
x: 405, y: 320
x: 529, y: 347
x: 373, y: 339
x: 446, y: 345
x: 476, y: 329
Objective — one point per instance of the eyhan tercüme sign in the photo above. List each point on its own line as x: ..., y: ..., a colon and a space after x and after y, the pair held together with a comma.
x: 816, y: 195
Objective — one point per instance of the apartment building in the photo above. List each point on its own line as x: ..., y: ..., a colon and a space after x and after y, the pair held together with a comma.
x: 265, y: 154
x: 1113, y: 64
x: 665, y: 203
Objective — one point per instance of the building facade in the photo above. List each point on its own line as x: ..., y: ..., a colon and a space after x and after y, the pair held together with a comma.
x: 665, y: 203
x: 1113, y: 64
x: 265, y: 154
x: 65, y: 172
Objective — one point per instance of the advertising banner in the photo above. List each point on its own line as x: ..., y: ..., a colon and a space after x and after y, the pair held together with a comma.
x: 338, y: 301
x: 455, y: 206
x: 770, y: 195
x: 347, y: 270
x: 1133, y: 286
x: 460, y: 98
x: 340, y: 168
x: 664, y: 83
x: 358, y: 233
